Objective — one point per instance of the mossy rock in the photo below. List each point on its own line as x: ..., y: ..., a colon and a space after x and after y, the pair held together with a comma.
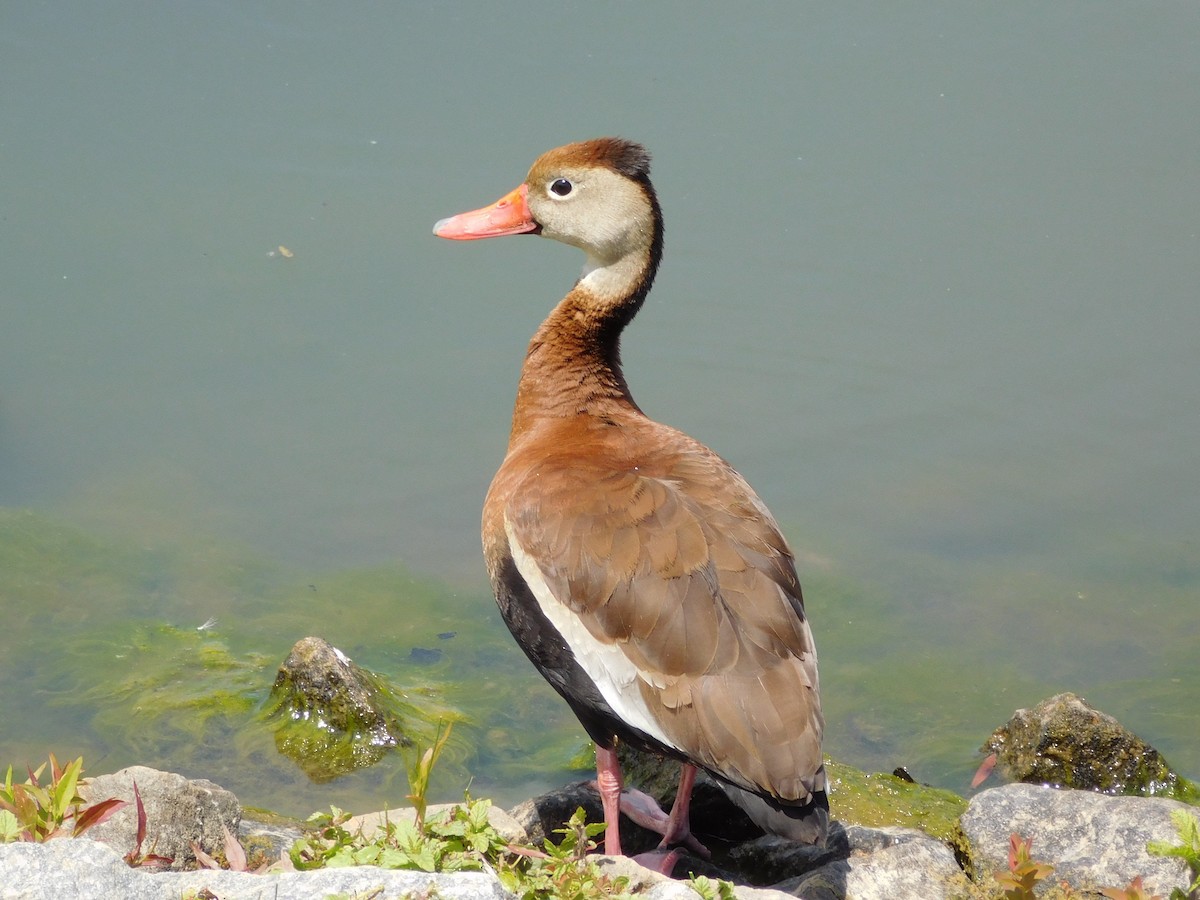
x: 876, y: 800
x: 1065, y: 742
x: 332, y: 716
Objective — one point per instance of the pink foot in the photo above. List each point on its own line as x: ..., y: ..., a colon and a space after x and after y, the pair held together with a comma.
x: 660, y: 861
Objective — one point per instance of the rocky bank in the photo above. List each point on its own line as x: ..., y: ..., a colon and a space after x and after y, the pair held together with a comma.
x: 1078, y: 756
x: 1093, y: 841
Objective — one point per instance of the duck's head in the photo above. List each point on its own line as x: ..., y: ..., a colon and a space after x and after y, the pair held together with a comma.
x: 595, y: 195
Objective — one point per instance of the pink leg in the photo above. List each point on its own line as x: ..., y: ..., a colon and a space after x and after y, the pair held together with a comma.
x: 675, y: 828
x: 679, y: 828
x: 608, y: 782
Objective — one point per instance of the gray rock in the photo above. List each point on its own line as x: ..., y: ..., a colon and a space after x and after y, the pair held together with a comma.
x: 875, y: 863
x: 178, y: 811
x: 86, y: 870
x: 1092, y: 840
x: 1065, y: 742
x: 644, y: 883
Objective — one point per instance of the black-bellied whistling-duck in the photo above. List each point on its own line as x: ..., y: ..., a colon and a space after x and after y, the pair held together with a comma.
x: 638, y: 571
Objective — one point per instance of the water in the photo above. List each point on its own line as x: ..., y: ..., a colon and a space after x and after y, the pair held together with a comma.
x: 930, y: 284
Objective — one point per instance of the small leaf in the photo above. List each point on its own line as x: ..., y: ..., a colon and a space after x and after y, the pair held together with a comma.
x: 203, y: 858
x: 56, y: 772
x: 9, y: 829
x: 64, y: 785
x: 984, y: 770
x: 234, y: 852
x: 97, y: 813
x: 141, y: 816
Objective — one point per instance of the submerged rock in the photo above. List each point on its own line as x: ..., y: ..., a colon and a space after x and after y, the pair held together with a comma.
x: 1093, y: 841
x: 334, y: 716
x: 1065, y: 742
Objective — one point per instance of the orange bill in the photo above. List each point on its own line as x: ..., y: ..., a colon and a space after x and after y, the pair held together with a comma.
x: 508, y: 215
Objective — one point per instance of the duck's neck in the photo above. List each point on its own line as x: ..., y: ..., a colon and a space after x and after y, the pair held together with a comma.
x: 573, y: 365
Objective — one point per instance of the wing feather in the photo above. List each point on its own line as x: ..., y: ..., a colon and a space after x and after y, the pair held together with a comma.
x: 684, y: 572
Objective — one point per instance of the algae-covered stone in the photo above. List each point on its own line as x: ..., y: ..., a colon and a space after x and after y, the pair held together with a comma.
x: 879, y: 800
x: 1065, y: 742
x: 335, y: 716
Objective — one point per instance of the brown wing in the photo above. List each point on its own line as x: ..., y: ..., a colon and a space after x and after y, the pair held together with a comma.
x: 685, y: 572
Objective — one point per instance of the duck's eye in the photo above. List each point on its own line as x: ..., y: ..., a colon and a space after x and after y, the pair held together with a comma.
x: 561, y: 187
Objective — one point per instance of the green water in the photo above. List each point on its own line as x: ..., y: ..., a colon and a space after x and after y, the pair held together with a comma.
x: 929, y: 283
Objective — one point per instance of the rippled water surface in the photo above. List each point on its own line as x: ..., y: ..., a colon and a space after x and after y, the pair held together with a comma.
x: 930, y: 283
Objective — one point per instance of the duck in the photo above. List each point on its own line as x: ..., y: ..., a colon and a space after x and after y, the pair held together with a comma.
x: 638, y: 570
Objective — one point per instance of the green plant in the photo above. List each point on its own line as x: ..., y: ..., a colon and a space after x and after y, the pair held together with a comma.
x: 1134, y: 891
x: 708, y: 889
x: 1023, y: 872
x: 35, y: 812
x: 1188, y: 849
x: 563, y: 870
x: 461, y: 839
x: 419, y: 772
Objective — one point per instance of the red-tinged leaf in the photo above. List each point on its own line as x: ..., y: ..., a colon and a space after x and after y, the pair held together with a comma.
x: 530, y: 852
x: 97, y: 813
x: 154, y: 861
x: 984, y: 770
x: 1015, y: 846
x: 24, y: 806
x: 203, y: 858
x: 234, y: 852
x: 141, y: 816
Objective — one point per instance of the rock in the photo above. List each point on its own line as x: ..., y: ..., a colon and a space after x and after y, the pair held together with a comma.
x: 178, y: 811
x: 1092, y: 840
x: 267, y: 833
x: 649, y: 885
x: 334, y: 716
x: 87, y: 870
x: 1065, y: 742
x: 858, y: 863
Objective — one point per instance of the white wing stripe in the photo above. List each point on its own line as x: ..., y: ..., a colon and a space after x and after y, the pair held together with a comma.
x: 606, y: 664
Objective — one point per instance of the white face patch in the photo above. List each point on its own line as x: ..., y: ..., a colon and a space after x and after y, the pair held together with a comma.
x: 605, y: 664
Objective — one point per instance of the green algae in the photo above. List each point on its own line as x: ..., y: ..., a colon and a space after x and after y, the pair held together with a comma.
x: 876, y: 800
x: 164, y: 654
x: 104, y: 655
